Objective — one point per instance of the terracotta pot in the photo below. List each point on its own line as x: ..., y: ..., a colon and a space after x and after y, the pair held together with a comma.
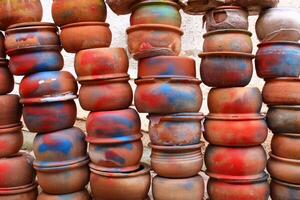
x: 30, y: 60
x: 156, y: 12
x: 6, y: 78
x: 238, y: 100
x: 65, y: 179
x: 168, y: 95
x: 278, y: 59
x: 282, y: 91
x: 186, y: 161
x: 177, y: 129
x: 226, y: 17
x: 167, y: 66
x: 11, y: 141
x: 235, y: 130
x: 178, y: 189
x: 62, y: 147
x: 284, y: 119
x: 88, y: 35
x: 100, y: 63
x: 11, y: 111
x: 235, y: 40
x: 281, y: 190
x: 2, y: 47
x: 44, y: 86
x: 247, y: 163
x: 67, y: 12
x: 20, y: 11
x: 226, y: 69
x: 271, y: 26
x: 151, y: 40
x: 27, y: 192
x: 80, y: 195
x: 106, y: 94
x: 111, y: 186
x: 286, y: 145
x: 50, y: 116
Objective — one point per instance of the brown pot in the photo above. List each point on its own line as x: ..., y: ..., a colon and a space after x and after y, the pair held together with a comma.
x: 286, y: 145
x: 26, y: 192
x: 11, y: 141
x: 281, y: 190
x: 11, y: 111
x: 80, y: 195
x: 6, y: 78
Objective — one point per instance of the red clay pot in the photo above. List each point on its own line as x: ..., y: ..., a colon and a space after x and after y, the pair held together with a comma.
x: 178, y: 129
x: 11, y: 141
x: 286, y: 145
x: 168, y: 95
x: 97, y: 63
x: 11, y: 111
x: 6, y: 78
x: 186, y: 161
x: 80, y: 195
x: 235, y: 130
x: 20, y: 11
x: 2, y: 47
x: 247, y: 163
x: 88, y: 35
x: 112, y: 186
x: 226, y: 69
x: 166, y: 66
x: 178, y: 189
x: 281, y: 190
x: 149, y: 40
x: 27, y: 192
x: 67, y: 12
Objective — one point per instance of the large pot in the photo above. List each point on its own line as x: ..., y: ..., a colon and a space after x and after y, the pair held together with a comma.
x: 80, y: 195
x: 25, y: 192
x: 168, y: 95
x: 6, y: 78
x: 11, y: 111
x: 286, y: 145
x: 11, y: 141
x: 281, y: 190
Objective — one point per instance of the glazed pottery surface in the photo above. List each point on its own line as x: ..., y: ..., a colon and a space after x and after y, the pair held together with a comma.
x: 11, y: 141
x: 25, y: 192
x: 80, y: 195
x: 286, y: 145
x: 11, y: 111
x: 282, y: 191
x: 6, y: 78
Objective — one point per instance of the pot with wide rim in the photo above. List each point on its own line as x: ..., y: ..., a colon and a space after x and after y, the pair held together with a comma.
x: 80, y: 195
x: 11, y: 111
x: 25, y: 192
x: 11, y: 141
x: 6, y: 78
x: 282, y: 190
x: 286, y: 145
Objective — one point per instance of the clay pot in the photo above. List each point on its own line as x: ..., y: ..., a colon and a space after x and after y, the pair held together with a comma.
x: 44, y: 86
x: 30, y: 60
x: 49, y: 116
x: 149, y: 40
x: 235, y: 130
x: 6, y: 78
x: 166, y: 66
x: 226, y: 69
x: 11, y: 141
x: 59, y: 148
x: 2, y: 47
x: 67, y: 12
x: 186, y: 161
x: 11, y: 111
x: 247, y: 163
x: 88, y: 35
x: 100, y: 63
x: 278, y: 59
x: 168, y: 95
x: 286, y: 145
x: 111, y: 186
x: 31, y: 34
x: 80, y: 195
x: 226, y: 17
x: 235, y: 40
x: 20, y: 11
x: 281, y: 190
x: 271, y: 26
x: 289, y: 91
x: 284, y: 119
x: 27, y: 192
x: 238, y: 100
x: 106, y: 94
x: 178, y: 189
x: 177, y: 129
x: 65, y: 179
x: 156, y: 12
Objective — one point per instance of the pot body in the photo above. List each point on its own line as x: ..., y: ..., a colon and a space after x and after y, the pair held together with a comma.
x: 6, y: 79
x: 11, y: 110
x: 28, y: 192
x: 80, y: 195
x: 281, y: 190
x: 286, y: 146
x: 11, y: 141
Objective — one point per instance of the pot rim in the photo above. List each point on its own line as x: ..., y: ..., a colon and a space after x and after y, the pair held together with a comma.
x: 49, y: 99
x: 226, y: 53
x: 31, y: 24
x: 293, y: 161
x: 114, y: 169
x: 51, y: 169
x: 279, y: 8
x: 287, y: 134
x: 168, y: 79
x: 34, y: 49
x: 116, y: 140
x: 103, y: 78
x: 31, y: 29
x: 179, y: 117
x: 286, y: 79
x: 244, y: 181
x: 236, y: 179
x: 285, y: 183
x: 228, y: 7
x: 166, y: 57
x: 284, y: 107
x: 19, y: 189
x: 9, y: 130
x: 154, y: 26
x: 134, y: 7
x: 177, y: 148
x: 4, y: 61
x: 235, y: 117
x: 80, y: 24
x: 10, y: 125
x: 222, y: 31
x: 101, y: 49
x: 46, y: 164
x: 272, y: 43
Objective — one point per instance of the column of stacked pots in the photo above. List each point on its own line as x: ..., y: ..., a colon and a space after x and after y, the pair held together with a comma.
x: 234, y: 127
x: 278, y: 63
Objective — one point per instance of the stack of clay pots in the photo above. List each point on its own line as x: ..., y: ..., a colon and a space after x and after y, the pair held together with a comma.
x: 278, y: 62
x: 235, y: 159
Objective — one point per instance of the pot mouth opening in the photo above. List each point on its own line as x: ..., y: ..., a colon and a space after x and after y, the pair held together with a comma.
x: 168, y: 79
x: 48, y: 164
x: 285, y: 184
x: 49, y: 99
x: 176, y: 148
x: 116, y: 140
x: 11, y: 129
x: 287, y: 79
x: 84, y: 24
x: 31, y: 25
x: 61, y: 167
x: 243, y: 180
x: 272, y: 43
x: 19, y: 189
x: 238, y: 179
x: 227, y: 31
x: 235, y: 117
x: 178, y: 117
x: 103, y: 79
x: 283, y: 159
x: 34, y: 49
x: 154, y: 27
x: 154, y: 2
x: 226, y: 54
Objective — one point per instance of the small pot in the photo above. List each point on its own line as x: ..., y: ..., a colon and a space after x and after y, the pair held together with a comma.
x: 247, y: 163
x: 226, y: 69
x: 149, y: 40
x: 278, y: 59
x: 111, y: 186
x: 186, y: 161
x: 58, y: 180
x: 30, y: 60
x: 281, y: 190
x: 235, y: 40
x: 175, y: 130
x: 167, y: 67
x: 49, y: 116
x: 284, y: 119
x: 11, y: 141
x: 26, y: 192
x: 6, y: 78
x: 168, y: 95
x: 2, y: 47
x: 272, y: 26
x: 178, y: 189
x: 286, y: 145
x: 97, y: 63
x: 88, y: 35
x: 235, y: 130
x: 31, y: 34
x: 80, y: 195
x: 11, y: 111
x: 156, y: 12
x: 67, y: 12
